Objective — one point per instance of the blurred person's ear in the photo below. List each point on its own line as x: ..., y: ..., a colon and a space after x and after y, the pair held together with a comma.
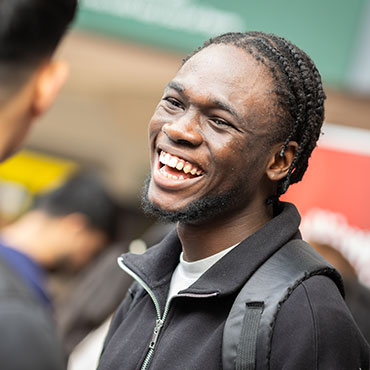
x: 28, y: 101
x: 49, y: 80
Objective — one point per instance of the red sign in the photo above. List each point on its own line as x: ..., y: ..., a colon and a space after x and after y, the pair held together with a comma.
x: 334, y: 196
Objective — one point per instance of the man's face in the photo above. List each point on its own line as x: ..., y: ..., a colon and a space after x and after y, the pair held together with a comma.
x: 208, y: 136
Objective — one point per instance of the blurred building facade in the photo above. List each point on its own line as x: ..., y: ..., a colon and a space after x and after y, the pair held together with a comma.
x: 122, y: 54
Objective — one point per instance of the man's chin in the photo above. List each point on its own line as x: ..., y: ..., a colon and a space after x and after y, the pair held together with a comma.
x: 197, y: 212
x: 152, y: 209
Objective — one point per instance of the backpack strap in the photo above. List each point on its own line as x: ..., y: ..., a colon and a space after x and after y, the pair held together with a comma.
x: 248, y: 329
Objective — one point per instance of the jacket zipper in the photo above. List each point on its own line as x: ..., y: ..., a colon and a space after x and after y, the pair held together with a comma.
x: 160, y: 319
x: 157, y: 329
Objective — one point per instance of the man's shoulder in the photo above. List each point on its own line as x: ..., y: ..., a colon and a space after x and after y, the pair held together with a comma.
x: 19, y: 306
x: 27, y: 325
x: 316, y: 297
x: 315, y: 326
x: 17, y: 303
x: 31, y: 340
x: 11, y: 284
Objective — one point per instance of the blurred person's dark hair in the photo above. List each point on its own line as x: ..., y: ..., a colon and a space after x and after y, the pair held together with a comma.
x: 30, y: 31
x: 83, y: 193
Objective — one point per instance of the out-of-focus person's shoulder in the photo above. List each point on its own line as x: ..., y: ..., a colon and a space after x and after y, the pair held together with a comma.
x: 27, y: 327
x: 29, y: 331
x: 314, y: 330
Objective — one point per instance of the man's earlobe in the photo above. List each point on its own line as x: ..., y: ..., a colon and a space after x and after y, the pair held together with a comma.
x: 278, y: 166
x: 49, y: 81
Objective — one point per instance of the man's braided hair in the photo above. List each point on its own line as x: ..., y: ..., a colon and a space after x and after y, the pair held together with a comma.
x: 299, y: 92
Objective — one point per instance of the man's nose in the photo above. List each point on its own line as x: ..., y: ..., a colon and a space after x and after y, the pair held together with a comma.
x: 184, y: 130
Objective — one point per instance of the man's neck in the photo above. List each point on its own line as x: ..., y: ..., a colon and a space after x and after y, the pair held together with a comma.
x: 203, y: 240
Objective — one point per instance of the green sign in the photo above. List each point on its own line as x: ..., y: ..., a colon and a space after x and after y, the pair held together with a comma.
x: 326, y: 29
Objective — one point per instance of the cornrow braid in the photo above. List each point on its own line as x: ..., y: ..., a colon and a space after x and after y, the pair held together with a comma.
x: 299, y: 92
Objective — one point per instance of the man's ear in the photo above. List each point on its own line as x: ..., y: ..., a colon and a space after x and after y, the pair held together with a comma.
x: 48, y: 82
x: 278, y: 166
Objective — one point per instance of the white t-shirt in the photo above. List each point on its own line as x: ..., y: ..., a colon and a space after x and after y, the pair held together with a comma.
x: 187, y: 273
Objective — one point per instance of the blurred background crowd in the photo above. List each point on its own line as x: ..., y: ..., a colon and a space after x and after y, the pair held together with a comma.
x: 80, y: 176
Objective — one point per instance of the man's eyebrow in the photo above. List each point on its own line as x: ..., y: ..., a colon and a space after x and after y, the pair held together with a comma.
x: 176, y: 86
x: 215, y: 102
x: 227, y: 107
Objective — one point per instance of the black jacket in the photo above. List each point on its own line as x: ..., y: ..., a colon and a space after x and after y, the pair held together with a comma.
x: 28, y: 337
x: 314, y: 329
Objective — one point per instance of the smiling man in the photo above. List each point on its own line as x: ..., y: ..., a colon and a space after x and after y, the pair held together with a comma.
x: 234, y: 128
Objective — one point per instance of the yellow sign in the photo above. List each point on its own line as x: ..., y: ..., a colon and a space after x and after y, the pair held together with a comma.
x: 35, y: 171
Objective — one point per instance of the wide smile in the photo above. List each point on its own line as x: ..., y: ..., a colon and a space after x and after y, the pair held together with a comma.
x: 171, y: 171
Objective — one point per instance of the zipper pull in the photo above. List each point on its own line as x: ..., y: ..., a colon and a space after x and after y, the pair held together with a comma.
x: 157, y: 329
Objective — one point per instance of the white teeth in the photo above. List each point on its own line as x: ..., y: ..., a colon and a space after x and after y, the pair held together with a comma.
x: 180, y: 165
x: 166, y: 158
x: 187, y: 168
x: 172, y: 162
x: 175, y: 162
x: 170, y: 176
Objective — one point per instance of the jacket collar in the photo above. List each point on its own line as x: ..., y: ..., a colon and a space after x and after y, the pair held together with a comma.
x: 230, y: 273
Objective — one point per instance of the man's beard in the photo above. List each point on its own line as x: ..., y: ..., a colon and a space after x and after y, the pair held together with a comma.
x: 206, y: 208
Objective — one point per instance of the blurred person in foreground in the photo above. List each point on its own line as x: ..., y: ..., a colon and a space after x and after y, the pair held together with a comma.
x: 63, y: 230
x: 30, y: 79
x: 234, y: 128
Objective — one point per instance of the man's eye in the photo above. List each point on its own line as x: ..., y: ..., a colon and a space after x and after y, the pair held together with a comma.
x: 173, y: 102
x: 221, y: 122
